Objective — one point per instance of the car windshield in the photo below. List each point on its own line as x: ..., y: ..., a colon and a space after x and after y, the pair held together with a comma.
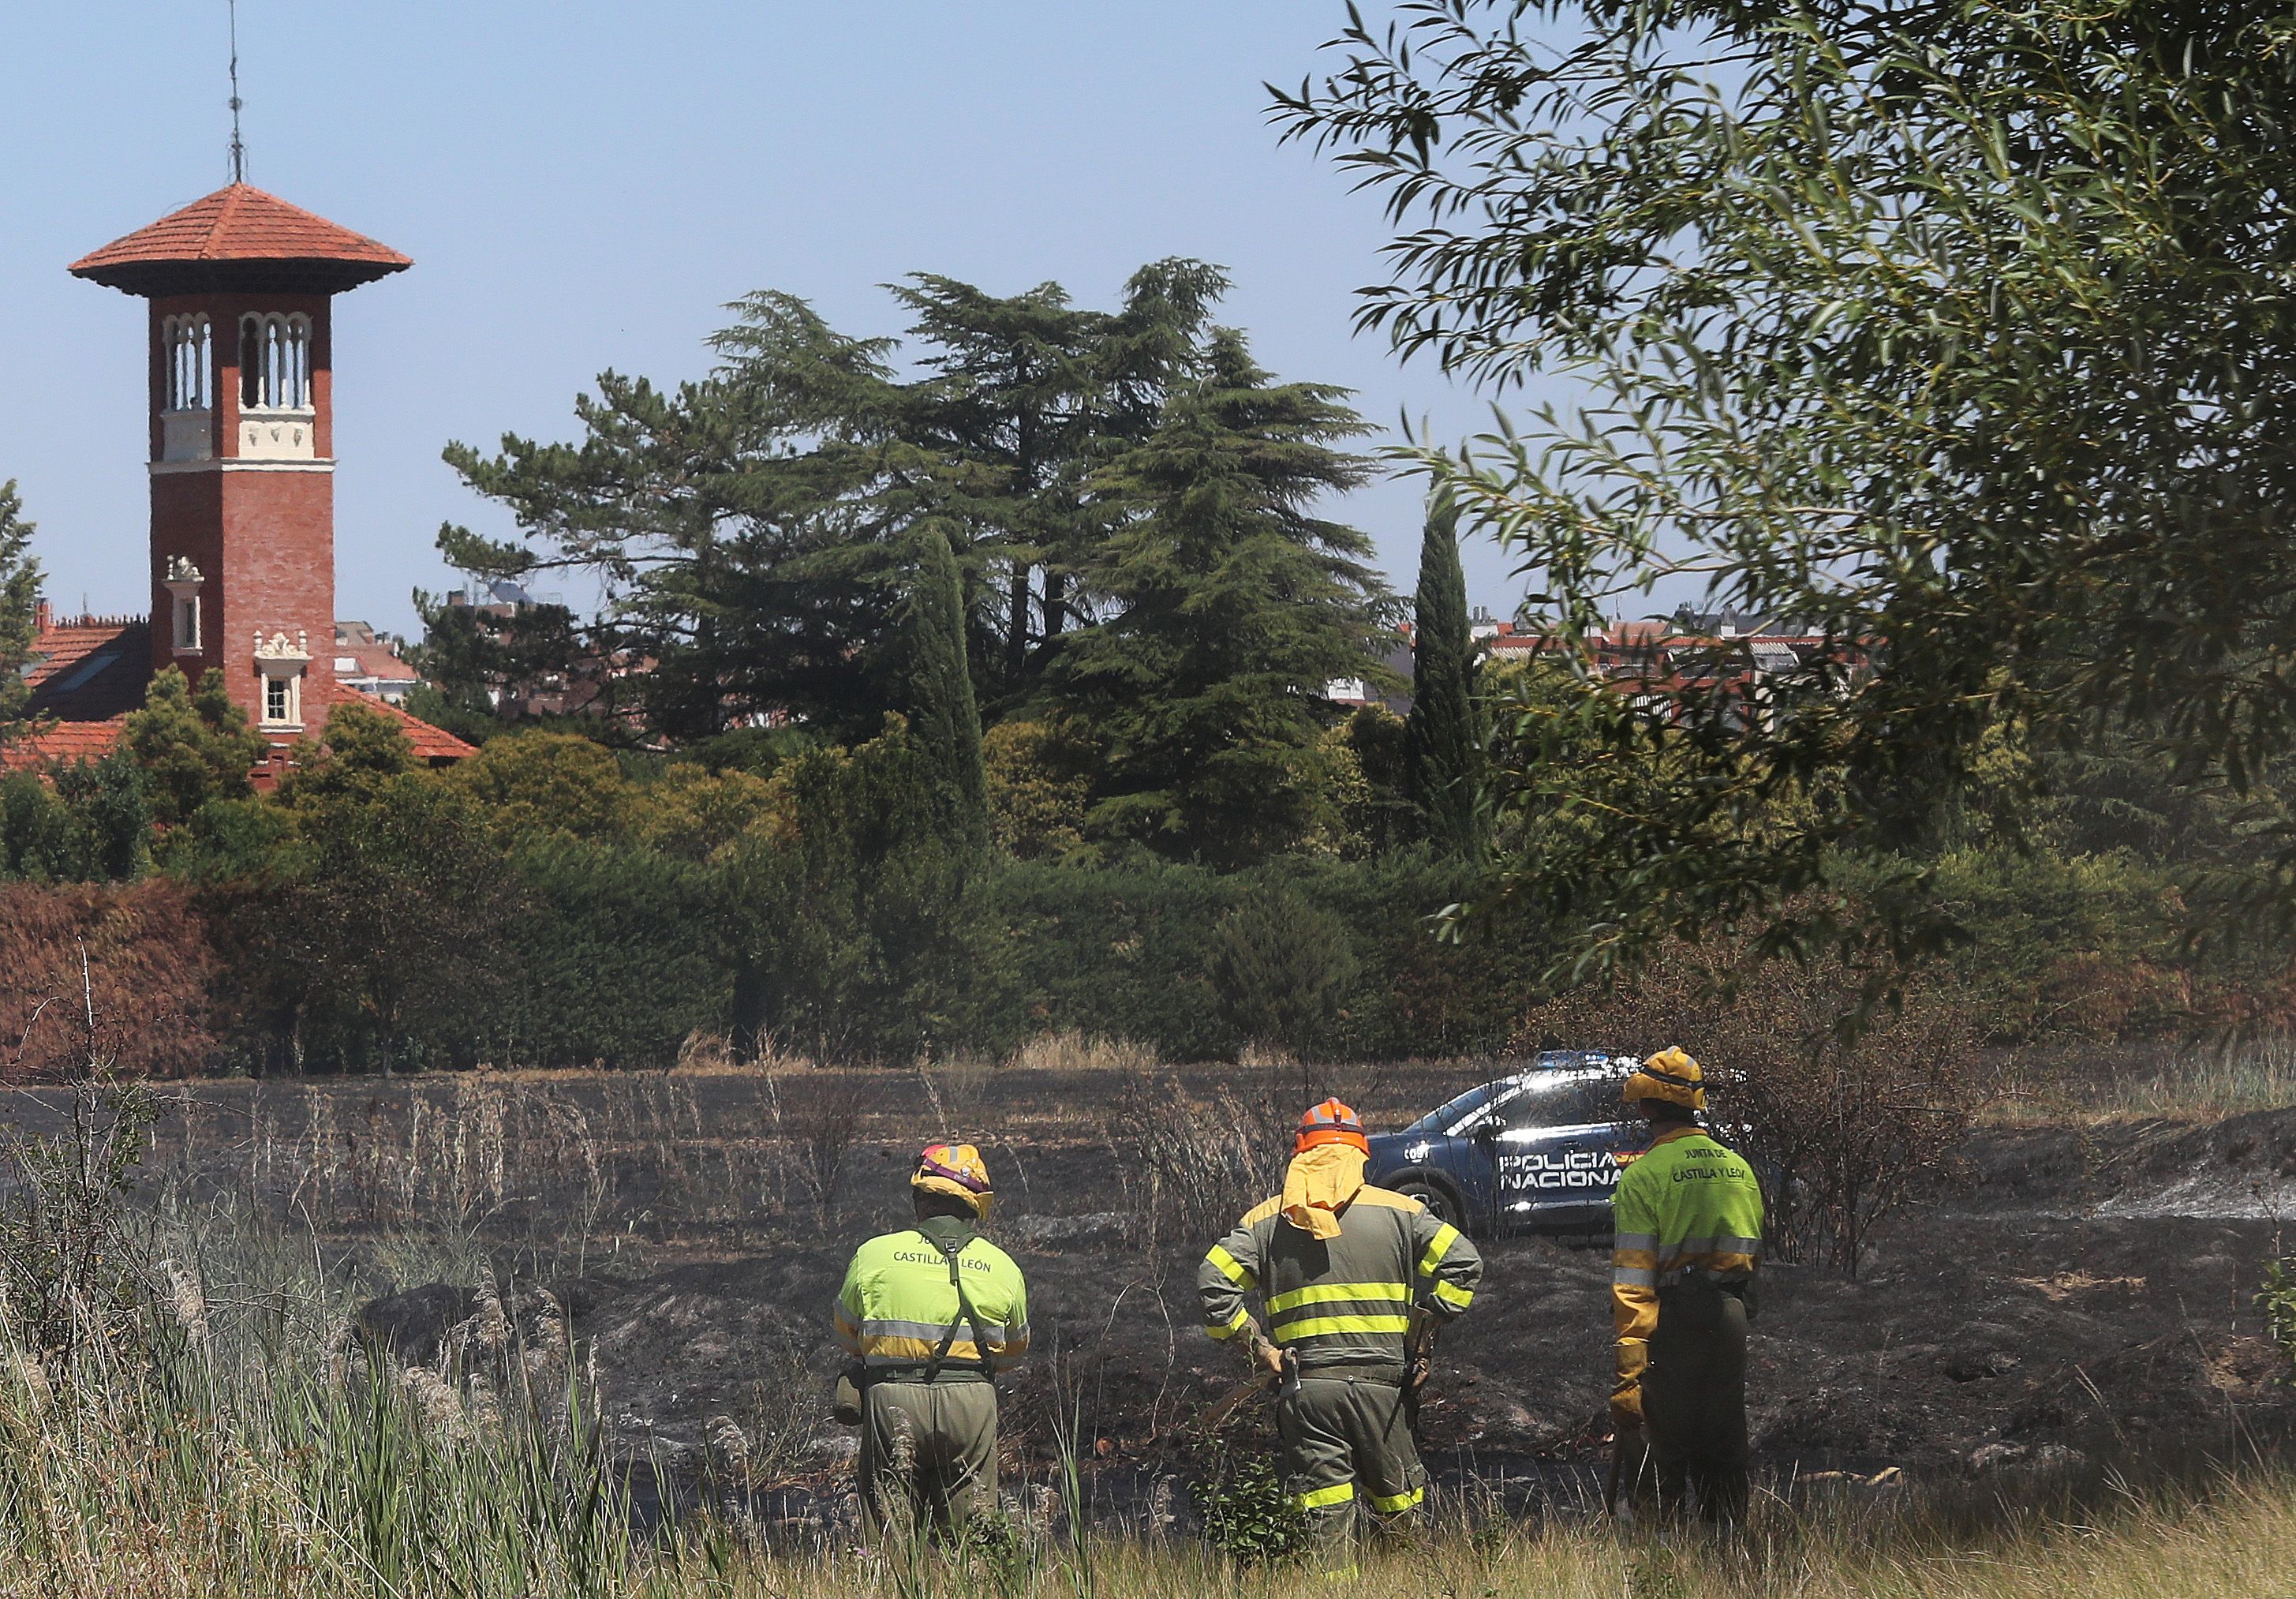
x: 1451, y: 1112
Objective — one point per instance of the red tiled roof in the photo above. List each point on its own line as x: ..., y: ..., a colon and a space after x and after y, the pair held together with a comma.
x: 64, y: 741
x: 430, y: 743
x: 88, y: 673
x: 377, y: 660
x: 90, y: 670
x: 239, y: 236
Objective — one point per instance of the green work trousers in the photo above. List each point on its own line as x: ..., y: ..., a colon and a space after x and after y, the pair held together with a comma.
x: 928, y: 1455
x: 1695, y: 1407
x: 1346, y: 1440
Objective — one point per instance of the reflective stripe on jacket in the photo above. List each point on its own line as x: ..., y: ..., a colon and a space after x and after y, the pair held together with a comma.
x: 1347, y: 1300
x: 1688, y: 1203
x: 897, y: 1302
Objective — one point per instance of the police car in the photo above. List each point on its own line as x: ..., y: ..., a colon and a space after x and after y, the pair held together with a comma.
x: 1539, y: 1151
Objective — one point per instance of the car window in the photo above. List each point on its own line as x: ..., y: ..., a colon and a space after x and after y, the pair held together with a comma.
x: 1564, y: 1098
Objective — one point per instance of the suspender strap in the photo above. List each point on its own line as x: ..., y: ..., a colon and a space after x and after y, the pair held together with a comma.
x: 964, y: 1312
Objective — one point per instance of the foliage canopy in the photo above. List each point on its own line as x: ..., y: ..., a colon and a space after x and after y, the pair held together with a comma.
x: 1955, y: 333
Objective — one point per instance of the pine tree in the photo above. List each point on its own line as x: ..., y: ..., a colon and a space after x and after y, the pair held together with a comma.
x: 1231, y: 609
x: 1443, y: 731
x: 1028, y: 397
x: 20, y: 600
x: 944, y: 719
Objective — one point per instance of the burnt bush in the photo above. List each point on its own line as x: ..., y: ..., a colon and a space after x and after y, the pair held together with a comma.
x: 122, y: 973
x: 1848, y: 1124
x: 1190, y: 1164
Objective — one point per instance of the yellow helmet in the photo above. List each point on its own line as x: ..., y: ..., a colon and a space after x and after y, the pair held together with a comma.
x: 1670, y: 1075
x: 956, y: 1169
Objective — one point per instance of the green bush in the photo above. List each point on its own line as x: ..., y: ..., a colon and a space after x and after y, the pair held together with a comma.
x: 1280, y: 964
x: 857, y: 928
x: 1116, y: 952
x: 616, y: 954
x: 2277, y: 1300
x: 1247, y: 1513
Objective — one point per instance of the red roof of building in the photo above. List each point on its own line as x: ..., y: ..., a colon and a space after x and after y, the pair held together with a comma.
x: 90, y: 668
x: 432, y: 745
x: 64, y: 741
x: 239, y: 237
x: 372, y: 658
x: 88, y: 674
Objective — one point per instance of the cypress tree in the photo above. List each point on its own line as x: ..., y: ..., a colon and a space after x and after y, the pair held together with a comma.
x: 19, y: 598
x: 944, y: 718
x: 1443, y: 734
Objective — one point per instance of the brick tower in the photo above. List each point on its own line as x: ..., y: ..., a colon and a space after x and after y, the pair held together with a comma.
x: 241, y: 286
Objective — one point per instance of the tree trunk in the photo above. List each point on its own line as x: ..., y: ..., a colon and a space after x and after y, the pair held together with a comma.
x: 1016, y: 638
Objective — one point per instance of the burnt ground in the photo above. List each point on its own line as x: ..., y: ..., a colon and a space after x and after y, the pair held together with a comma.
x: 2078, y: 1293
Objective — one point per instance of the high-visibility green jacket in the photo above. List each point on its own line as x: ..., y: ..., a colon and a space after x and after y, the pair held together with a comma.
x: 897, y: 1302
x: 1348, y: 1301
x: 1688, y: 1204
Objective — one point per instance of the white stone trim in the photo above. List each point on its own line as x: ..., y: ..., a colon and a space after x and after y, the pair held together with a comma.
x: 280, y: 660
x: 169, y: 468
x: 182, y: 582
x: 279, y: 433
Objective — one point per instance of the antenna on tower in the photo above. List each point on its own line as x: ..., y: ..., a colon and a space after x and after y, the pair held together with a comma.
x: 238, y: 149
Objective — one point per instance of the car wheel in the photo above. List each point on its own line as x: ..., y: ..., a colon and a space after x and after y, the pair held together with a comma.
x: 1442, y: 1203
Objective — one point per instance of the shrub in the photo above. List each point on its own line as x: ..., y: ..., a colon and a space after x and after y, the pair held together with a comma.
x: 541, y: 783
x: 1419, y: 993
x: 377, y: 940
x: 108, y: 835
x: 119, y: 974
x: 1116, y: 952
x: 856, y: 931
x: 1846, y: 1127
x: 2276, y: 1298
x: 191, y: 748
x: 1279, y: 965
x: 1040, y: 781
x: 1247, y: 1513
x: 617, y: 955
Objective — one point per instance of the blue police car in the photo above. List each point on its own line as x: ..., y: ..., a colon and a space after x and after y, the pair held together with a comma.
x: 1539, y: 1151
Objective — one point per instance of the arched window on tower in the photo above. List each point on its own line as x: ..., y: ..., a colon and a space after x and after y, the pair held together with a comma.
x: 274, y: 362
x: 191, y: 358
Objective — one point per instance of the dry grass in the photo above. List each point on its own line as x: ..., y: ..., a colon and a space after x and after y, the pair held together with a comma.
x: 1076, y: 1052
x: 2195, y: 1081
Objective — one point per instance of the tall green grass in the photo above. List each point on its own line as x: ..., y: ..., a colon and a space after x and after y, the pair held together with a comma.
x: 250, y: 1457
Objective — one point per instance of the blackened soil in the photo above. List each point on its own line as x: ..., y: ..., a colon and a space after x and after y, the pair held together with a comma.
x: 2073, y: 1292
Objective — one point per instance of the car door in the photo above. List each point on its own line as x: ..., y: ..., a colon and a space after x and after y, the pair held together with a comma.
x: 1556, y: 1160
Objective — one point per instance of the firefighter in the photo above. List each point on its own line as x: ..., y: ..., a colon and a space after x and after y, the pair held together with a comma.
x: 1353, y: 1280
x: 1688, y: 1219
x: 932, y: 1313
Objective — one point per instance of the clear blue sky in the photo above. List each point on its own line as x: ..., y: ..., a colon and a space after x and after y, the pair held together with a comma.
x: 584, y: 185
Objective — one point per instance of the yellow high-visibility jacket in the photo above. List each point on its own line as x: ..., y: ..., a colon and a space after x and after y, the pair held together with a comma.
x: 897, y: 1302
x: 1689, y: 1204
x: 1346, y: 1301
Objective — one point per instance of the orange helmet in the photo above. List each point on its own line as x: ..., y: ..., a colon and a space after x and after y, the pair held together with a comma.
x: 1331, y: 1121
